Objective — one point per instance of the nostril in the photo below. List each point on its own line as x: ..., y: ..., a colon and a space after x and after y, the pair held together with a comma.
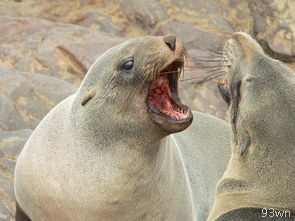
x: 170, y: 40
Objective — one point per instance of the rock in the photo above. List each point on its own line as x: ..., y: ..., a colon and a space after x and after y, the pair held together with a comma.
x: 66, y: 51
x: 61, y: 50
x: 11, y: 143
x: 55, y: 49
x: 61, y: 39
x: 274, y: 28
x: 200, y: 24
x: 26, y: 98
x: 271, y: 20
x: 99, y: 15
x: 189, y: 19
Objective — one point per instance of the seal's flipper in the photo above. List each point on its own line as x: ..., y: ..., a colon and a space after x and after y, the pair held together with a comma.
x: 20, y: 215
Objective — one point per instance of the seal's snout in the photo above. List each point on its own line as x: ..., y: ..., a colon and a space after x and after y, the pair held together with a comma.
x: 245, y: 45
x: 163, y: 94
x: 170, y: 40
x: 238, y: 52
x: 163, y: 103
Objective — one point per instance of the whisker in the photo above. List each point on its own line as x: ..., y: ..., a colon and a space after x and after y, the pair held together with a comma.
x: 191, y: 69
x: 203, y: 76
x: 210, y: 56
x: 194, y: 78
x: 187, y: 67
x: 207, y: 60
x: 204, y: 70
x: 209, y: 79
x: 155, y: 74
x: 213, y: 66
x: 213, y: 70
x: 184, y: 52
x: 168, y: 72
x: 216, y: 68
x: 181, y: 72
x: 217, y: 52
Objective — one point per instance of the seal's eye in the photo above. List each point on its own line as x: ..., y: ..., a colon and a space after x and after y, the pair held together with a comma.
x: 127, y: 64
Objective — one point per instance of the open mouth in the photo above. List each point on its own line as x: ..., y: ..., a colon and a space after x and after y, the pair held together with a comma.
x: 224, y: 90
x: 162, y: 98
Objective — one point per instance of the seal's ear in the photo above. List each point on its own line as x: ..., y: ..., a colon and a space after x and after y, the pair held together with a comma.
x: 88, y: 97
x: 246, y: 145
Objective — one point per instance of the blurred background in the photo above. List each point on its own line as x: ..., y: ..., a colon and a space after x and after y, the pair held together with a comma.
x: 47, y: 46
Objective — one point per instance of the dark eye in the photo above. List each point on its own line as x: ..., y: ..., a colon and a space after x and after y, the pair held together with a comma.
x: 127, y: 64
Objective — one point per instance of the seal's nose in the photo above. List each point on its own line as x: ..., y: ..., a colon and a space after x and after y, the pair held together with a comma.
x: 170, y: 40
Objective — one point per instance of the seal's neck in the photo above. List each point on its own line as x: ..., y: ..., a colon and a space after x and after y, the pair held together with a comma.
x: 138, y: 178
x: 136, y: 173
x: 264, y: 178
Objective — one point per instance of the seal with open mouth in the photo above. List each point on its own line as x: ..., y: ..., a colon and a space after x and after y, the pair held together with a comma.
x: 163, y: 101
x: 258, y: 183
x: 104, y: 153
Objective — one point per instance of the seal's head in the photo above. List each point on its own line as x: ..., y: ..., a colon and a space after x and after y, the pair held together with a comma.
x: 260, y: 92
x: 137, y: 83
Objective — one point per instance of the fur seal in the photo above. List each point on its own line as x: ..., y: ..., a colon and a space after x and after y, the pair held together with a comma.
x: 104, y: 153
x: 260, y: 176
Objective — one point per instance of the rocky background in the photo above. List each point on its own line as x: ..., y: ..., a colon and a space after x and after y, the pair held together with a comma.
x: 46, y: 48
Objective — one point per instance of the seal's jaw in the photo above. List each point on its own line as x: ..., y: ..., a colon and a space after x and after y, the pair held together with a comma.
x: 163, y: 102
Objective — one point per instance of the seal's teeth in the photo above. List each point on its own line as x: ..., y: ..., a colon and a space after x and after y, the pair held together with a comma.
x: 177, y: 108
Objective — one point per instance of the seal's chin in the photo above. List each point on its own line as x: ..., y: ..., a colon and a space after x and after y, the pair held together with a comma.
x: 163, y: 102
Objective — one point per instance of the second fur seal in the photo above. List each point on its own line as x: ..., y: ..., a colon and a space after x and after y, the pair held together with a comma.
x: 258, y: 183
x: 104, y: 153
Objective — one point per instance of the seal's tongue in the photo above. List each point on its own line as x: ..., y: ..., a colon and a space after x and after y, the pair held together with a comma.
x: 163, y: 97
